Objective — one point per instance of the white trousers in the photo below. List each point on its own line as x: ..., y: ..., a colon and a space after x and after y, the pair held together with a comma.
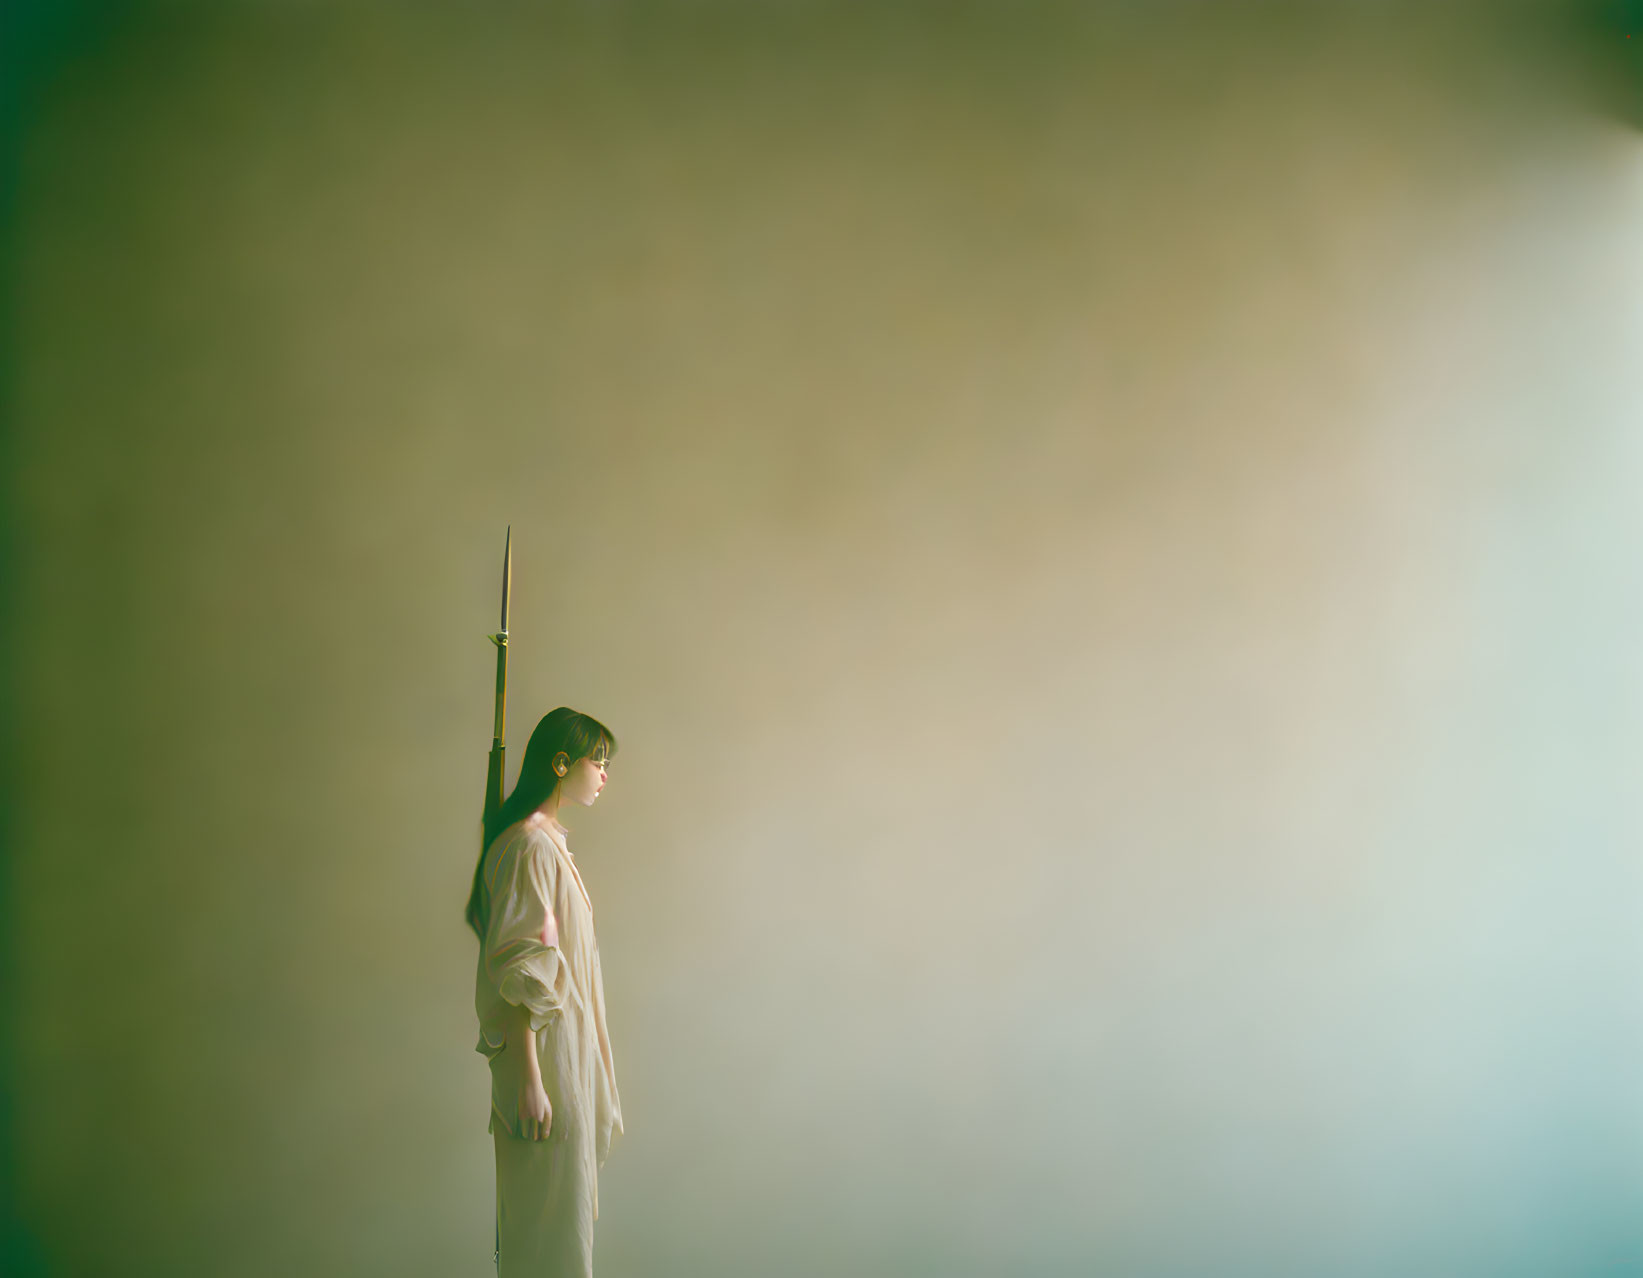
x: 544, y: 1203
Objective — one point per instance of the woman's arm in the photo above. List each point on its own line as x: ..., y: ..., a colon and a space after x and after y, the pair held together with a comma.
x: 535, y: 1111
x: 522, y: 942
x: 522, y: 958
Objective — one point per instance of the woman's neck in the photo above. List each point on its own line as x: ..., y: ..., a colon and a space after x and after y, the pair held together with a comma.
x: 548, y: 813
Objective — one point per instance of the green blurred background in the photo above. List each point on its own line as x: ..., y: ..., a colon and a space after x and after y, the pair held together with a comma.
x: 1108, y: 536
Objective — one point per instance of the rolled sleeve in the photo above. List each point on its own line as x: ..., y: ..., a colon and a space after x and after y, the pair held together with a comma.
x: 522, y: 943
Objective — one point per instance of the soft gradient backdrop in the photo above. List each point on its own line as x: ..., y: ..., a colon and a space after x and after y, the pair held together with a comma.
x: 1110, y: 537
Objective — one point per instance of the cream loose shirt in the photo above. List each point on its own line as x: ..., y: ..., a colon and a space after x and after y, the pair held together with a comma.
x: 540, y: 953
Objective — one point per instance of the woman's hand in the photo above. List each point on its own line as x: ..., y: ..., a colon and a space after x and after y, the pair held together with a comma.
x: 535, y: 1113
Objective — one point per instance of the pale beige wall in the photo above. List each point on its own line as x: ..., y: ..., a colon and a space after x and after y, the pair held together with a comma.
x: 1110, y: 545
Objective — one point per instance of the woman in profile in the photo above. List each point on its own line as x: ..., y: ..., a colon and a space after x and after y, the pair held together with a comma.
x: 541, y: 1005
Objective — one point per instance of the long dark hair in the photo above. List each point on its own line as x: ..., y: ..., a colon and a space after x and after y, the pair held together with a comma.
x: 579, y: 736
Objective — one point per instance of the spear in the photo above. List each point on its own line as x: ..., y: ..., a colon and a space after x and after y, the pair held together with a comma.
x: 493, y: 773
x: 493, y: 776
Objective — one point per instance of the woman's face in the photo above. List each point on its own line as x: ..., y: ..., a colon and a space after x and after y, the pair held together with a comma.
x: 583, y: 780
